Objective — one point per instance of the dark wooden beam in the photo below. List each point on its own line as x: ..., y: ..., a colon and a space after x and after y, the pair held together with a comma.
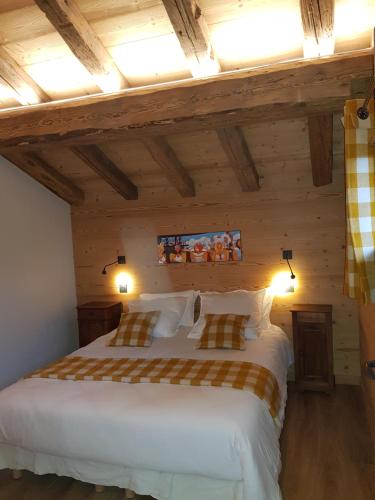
x: 85, y: 44
x: 280, y: 91
x: 166, y: 158
x: 192, y: 32
x: 235, y: 146
x: 25, y: 89
x: 52, y: 179
x: 107, y: 170
x: 318, y: 26
x: 321, y: 148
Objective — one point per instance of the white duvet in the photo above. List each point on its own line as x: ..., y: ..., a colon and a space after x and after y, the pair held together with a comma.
x: 220, y: 436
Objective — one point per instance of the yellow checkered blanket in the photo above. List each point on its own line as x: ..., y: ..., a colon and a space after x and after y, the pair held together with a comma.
x: 235, y: 374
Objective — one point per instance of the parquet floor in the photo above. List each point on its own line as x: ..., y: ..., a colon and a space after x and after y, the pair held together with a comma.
x: 326, y: 449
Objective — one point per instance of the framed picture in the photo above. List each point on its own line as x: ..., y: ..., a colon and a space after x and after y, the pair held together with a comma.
x: 218, y: 246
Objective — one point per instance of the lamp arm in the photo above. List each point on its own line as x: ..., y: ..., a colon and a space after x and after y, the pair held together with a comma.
x: 292, y: 275
x: 107, y: 265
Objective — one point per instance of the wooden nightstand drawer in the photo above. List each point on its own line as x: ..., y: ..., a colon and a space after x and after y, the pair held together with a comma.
x: 92, y: 314
x: 310, y: 317
x: 96, y: 319
x: 311, y: 328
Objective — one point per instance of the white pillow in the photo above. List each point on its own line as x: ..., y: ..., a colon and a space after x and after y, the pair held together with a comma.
x: 191, y: 296
x: 266, y: 310
x: 171, y: 311
x: 237, y: 302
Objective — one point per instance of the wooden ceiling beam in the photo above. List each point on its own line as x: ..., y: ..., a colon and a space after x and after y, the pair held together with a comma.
x: 85, y: 44
x: 166, y: 158
x: 35, y: 166
x: 235, y: 146
x: 279, y: 91
x: 192, y: 32
x: 318, y: 26
x: 94, y: 157
x: 26, y: 91
x: 321, y: 148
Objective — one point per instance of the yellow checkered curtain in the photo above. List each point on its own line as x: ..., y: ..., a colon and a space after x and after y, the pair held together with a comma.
x: 360, y: 203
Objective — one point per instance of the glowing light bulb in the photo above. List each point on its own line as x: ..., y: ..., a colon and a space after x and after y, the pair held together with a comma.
x: 283, y: 284
x: 124, y: 282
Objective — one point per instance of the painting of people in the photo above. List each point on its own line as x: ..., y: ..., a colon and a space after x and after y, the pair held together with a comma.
x: 218, y: 246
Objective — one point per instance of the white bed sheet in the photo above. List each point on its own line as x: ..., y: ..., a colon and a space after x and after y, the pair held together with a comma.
x: 219, y: 435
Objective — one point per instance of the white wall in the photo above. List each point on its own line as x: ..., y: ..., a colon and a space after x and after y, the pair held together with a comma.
x: 37, y: 286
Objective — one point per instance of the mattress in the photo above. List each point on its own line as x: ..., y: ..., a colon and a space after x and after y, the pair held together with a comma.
x: 156, y: 437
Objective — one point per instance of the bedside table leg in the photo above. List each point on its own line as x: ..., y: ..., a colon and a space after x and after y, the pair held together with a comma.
x: 129, y: 494
x: 99, y: 488
x: 16, y: 474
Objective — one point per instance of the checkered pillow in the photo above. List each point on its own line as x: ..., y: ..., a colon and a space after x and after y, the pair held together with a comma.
x: 135, y: 329
x: 224, y: 331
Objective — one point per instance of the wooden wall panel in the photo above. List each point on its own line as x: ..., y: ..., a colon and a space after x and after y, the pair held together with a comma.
x: 288, y: 212
x: 367, y: 322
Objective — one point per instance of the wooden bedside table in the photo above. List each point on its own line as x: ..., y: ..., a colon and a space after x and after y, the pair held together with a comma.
x: 313, y: 350
x: 96, y: 319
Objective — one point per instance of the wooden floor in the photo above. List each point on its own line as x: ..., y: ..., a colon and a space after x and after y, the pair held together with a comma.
x: 326, y: 449
x: 326, y: 446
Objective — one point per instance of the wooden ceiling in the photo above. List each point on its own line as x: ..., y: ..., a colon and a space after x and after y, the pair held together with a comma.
x: 151, y: 74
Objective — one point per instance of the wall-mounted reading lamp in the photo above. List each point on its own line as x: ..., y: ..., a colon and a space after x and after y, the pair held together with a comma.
x: 122, y: 279
x: 284, y: 283
x: 120, y: 260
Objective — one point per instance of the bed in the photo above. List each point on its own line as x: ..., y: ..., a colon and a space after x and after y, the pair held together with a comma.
x: 168, y: 441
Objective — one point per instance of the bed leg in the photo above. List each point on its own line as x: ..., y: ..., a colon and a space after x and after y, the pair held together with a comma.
x: 99, y: 488
x: 129, y: 494
x: 16, y: 474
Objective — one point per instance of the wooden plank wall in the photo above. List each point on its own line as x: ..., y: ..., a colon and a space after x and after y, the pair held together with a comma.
x: 367, y: 344
x: 288, y: 212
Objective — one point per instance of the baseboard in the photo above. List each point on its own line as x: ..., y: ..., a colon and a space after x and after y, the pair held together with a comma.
x: 348, y: 379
